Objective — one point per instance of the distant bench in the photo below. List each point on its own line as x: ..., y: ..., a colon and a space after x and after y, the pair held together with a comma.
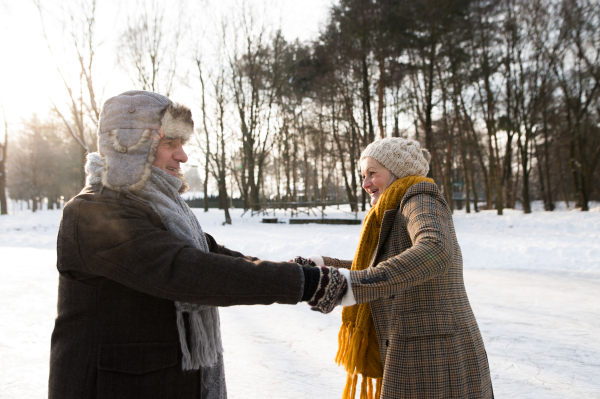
x: 318, y: 221
x: 295, y: 208
x: 326, y: 221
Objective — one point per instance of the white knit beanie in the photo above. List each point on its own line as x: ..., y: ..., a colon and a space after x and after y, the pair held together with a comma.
x: 402, y: 157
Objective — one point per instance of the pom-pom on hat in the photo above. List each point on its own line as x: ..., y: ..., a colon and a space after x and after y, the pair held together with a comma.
x: 402, y: 157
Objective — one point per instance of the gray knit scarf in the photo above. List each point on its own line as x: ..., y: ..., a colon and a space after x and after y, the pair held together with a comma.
x: 206, y: 352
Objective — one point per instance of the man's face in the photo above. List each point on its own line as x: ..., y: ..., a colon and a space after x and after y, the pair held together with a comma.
x: 169, y: 156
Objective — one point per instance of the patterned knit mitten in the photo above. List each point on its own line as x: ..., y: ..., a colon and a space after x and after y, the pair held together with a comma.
x: 332, y: 287
x: 303, y: 261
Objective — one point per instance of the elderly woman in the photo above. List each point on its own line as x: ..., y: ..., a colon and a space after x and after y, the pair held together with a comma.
x: 407, y: 325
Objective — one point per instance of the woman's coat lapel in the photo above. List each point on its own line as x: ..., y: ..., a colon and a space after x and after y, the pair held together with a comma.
x: 386, y: 226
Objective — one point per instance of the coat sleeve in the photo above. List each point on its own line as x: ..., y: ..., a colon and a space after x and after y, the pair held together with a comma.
x: 337, y: 263
x: 122, y: 244
x: 223, y: 250
x: 428, y: 226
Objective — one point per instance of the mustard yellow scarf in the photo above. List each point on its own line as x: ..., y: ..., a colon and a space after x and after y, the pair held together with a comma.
x: 358, y: 347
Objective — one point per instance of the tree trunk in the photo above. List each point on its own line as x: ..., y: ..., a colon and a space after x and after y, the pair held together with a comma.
x: 3, y: 201
x: 472, y: 136
x: 3, y: 157
x: 491, y: 129
x: 351, y: 195
x: 354, y: 159
x: 368, y: 119
x: 473, y: 187
x: 562, y: 179
x: 396, y: 132
x: 380, y: 97
x: 539, y: 162
x: 446, y: 173
x: 526, y: 199
x: 429, y: 105
x: 287, y: 165
x: 547, y: 164
x: 207, y: 136
x: 223, y: 202
x: 523, y: 149
x: 507, y: 175
x: 306, y: 171
x: 254, y: 188
x: 474, y: 146
x: 205, y: 184
x: 295, y: 171
x: 465, y: 165
x: 353, y: 168
x: 583, y: 166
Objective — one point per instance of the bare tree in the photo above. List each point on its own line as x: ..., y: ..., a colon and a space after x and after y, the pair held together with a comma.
x: 578, y: 72
x: 78, y: 21
x: 219, y: 157
x: 41, y: 163
x: 3, y: 156
x: 206, y: 145
x: 149, y: 47
x: 214, y: 138
x: 255, y: 78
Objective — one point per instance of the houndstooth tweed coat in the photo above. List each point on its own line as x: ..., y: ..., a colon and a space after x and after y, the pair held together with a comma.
x: 428, y: 337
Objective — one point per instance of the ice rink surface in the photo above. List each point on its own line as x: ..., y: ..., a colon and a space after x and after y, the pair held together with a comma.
x: 533, y: 282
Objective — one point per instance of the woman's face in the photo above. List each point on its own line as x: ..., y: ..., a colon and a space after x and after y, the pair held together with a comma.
x: 376, y: 178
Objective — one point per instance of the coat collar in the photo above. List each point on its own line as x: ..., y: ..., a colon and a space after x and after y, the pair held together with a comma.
x: 386, y: 226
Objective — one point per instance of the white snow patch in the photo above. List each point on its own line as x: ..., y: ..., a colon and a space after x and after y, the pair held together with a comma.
x: 533, y: 281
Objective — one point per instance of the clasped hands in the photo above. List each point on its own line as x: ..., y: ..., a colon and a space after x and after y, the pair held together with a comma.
x: 324, y: 286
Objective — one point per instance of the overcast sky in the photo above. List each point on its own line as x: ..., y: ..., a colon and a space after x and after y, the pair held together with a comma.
x: 28, y: 78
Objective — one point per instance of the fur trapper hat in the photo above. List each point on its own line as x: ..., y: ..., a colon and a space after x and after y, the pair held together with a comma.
x: 402, y: 157
x: 130, y: 127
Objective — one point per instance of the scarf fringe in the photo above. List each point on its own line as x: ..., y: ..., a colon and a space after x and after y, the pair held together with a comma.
x: 378, y: 388
x: 205, y: 340
x: 343, y: 339
x: 367, y: 390
x: 352, y: 348
x: 186, y: 363
x: 353, y: 345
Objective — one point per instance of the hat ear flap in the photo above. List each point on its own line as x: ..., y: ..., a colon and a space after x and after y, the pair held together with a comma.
x: 128, y: 156
x: 426, y: 155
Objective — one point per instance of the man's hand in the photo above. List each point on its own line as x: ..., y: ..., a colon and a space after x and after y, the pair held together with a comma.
x: 332, y: 287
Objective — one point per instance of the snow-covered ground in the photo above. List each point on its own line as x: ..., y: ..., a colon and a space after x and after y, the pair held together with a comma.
x: 533, y: 281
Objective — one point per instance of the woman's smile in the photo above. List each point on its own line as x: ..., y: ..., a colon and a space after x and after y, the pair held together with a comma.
x: 376, y: 178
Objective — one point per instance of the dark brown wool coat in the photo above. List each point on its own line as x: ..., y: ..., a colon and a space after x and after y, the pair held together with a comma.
x: 115, y: 335
x: 428, y: 337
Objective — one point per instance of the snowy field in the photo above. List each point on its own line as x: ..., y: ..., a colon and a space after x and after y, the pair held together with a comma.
x: 533, y: 281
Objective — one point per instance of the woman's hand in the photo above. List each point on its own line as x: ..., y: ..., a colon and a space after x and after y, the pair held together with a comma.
x: 313, y: 260
x: 303, y: 261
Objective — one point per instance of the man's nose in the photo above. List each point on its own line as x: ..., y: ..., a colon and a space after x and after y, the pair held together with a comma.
x: 180, y: 155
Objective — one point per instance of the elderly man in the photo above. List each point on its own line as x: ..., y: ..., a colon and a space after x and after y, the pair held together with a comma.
x: 140, y: 281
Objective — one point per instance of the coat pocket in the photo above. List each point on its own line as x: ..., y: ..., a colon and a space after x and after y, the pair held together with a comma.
x: 426, y: 323
x: 138, y: 370
x: 423, y: 355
